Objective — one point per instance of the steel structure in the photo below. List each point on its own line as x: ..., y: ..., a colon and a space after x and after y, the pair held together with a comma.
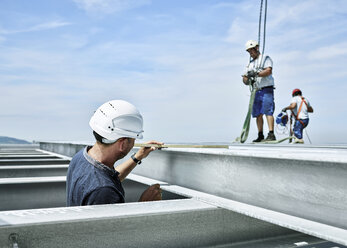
x: 244, y: 196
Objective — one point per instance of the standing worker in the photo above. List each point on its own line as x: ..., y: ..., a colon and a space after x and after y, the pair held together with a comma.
x: 259, y: 73
x: 92, y: 178
x: 300, y: 108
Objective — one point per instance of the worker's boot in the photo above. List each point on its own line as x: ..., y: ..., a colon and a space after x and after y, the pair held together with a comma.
x: 270, y: 136
x: 260, y: 138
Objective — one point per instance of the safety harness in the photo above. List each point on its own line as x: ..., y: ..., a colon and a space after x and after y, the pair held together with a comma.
x: 259, y: 66
x: 299, y: 110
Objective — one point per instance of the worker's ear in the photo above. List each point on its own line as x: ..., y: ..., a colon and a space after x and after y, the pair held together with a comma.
x: 123, y: 145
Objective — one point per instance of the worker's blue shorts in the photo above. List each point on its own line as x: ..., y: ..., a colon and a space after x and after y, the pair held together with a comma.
x: 264, y: 102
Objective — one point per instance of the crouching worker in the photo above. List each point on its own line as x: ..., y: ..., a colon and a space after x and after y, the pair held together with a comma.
x: 300, y: 108
x: 92, y: 178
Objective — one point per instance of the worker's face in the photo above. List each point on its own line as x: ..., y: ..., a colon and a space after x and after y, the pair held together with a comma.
x: 130, y: 144
x: 253, y: 52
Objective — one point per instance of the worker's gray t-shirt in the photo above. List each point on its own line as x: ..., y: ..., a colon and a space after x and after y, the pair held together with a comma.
x: 261, y: 63
x: 90, y: 182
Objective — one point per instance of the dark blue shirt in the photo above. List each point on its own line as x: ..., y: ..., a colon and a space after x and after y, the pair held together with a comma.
x: 90, y: 182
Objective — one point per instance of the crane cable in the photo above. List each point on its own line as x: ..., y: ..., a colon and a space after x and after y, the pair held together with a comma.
x: 245, y: 129
x: 259, y: 28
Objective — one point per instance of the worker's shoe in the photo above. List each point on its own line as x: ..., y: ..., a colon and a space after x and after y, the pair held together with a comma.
x: 270, y: 137
x: 260, y: 138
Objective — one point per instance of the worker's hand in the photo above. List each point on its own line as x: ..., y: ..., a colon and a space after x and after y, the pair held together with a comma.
x: 144, y: 151
x: 245, y: 79
x: 252, y: 74
x: 153, y: 193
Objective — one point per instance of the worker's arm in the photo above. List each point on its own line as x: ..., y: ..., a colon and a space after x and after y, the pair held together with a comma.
x: 291, y: 106
x: 266, y: 72
x: 309, y: 109
x: 125, y: 168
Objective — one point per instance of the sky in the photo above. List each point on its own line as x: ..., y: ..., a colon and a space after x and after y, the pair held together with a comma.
x: 179, y: 62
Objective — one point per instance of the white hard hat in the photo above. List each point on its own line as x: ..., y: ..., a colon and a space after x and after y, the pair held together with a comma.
x: 251, y: 44
x: 117, y: 119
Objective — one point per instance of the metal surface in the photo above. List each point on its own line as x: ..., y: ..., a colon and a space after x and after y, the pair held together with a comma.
x: 317, y: 229
x: 205, y: 214
x: 64, y: 148
x: 44, y: 192
x: 32, y: 161
x: 178, y: 223
x: 19, y: 152
x: 301, y: 188
x: 29, y: 193
x: 33, y: 170
x: 21, y: 156
x: 19, y: 146
x: 314, y: 189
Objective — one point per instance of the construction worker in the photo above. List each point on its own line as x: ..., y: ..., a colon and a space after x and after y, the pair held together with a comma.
x: 259, y: 73
x: 300, y: 108
x: 92, y: 178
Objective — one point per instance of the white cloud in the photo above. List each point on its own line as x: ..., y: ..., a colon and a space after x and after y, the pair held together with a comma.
x: 329, y: 52
x: 38, y: 27
x: 48, y: 25
x: 109, y: 6
x: 241, y: 30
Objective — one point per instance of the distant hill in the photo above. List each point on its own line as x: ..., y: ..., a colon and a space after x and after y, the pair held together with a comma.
x: 9, y: 140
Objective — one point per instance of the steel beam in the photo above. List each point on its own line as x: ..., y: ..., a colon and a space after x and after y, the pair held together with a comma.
x: 326, y: 232
x: 43, y: 192
x: 307, y: 183
x: 44, y: 161
x: 19, y: 146
x: 32, y: 192
x: 63, y: 148
x: 20, y: 152
x: 178, y: 223
x: 314, y: 188
x: 21, y: 157
x: 133, y: 188
x: 33, y: 171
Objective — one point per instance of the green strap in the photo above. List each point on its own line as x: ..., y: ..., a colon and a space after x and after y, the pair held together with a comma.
x: 180, y: 146
x: 244, y: 134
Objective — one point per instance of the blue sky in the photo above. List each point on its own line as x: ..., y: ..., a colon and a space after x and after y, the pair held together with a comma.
x: 180, y: 62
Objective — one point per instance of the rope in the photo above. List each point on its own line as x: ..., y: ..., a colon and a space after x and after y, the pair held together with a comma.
x: 260, y: 15
x: 264, y: 30
x: 308, y: 136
